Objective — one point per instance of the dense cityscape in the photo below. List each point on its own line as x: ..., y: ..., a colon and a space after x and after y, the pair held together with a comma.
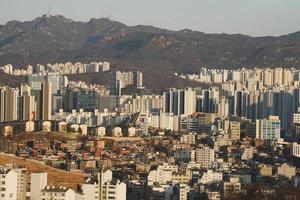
x: 217, y: 142
x: 149, y: 100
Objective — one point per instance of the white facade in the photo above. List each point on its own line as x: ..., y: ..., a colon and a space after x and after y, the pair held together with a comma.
x: 83, y: 129
x: 105, y: 66
x: 188, y: 139
x: 117, y: 132
x: 61, y: 193
x: 105, y: 189
x: 247, y: 154
x: 21, y: 182
x: 205, y: 156
x: 47, y: 126
x: 210, y: 177
x: 268, y: 129
x: 296, y: 149
x: 183, y: 191
x: 8, y: 184
x: 101, y: 131
x: 90, y: 191
x: 38, y: 183
x: 296, y: 118
x: 162, y: 174
x: 131, y: 132
x: 29, y: 126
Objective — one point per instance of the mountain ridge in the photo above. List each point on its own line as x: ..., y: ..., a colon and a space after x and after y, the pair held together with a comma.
x: 144, y: 47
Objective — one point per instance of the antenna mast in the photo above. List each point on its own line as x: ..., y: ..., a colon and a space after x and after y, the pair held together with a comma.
x: 49, y: 11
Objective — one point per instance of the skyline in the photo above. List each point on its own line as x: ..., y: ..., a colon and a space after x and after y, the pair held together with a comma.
x: 218, y: 16
x: 149, y: 100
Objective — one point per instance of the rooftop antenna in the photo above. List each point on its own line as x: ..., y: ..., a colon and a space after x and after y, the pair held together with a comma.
x: 49, y: 11
x: 107, y: 16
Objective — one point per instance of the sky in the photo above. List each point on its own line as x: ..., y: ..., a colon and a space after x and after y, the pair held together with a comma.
x: 251, y: 17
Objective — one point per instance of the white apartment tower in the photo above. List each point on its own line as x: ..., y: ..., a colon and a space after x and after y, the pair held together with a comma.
x: 21, y: 183
x: 8, y: 184
x: 105, y: 188
x: 38, y: 183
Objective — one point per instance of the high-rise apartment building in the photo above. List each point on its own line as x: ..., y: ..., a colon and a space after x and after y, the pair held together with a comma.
x: 233, y: 129
x: 8, y: 184
x: 119, y: 80
x: 209, y: 101
x: 9, y: 104
x: 278, y: 76
x: 46, y: 100
x: 240, y: 103
x: 105, y: 188
x: 27, y: 104
x: 104, y: 67
x: 268, y: 129
x: 267, y: 77
x: 21, y: 183
x: 179, y: 101
x: 38, y: 182
x: 85, y: 99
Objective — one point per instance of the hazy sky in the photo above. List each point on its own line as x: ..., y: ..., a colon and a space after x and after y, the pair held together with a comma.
x: 253, y: 17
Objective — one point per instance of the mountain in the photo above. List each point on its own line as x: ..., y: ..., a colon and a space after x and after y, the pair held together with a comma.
x: 157, y: 52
